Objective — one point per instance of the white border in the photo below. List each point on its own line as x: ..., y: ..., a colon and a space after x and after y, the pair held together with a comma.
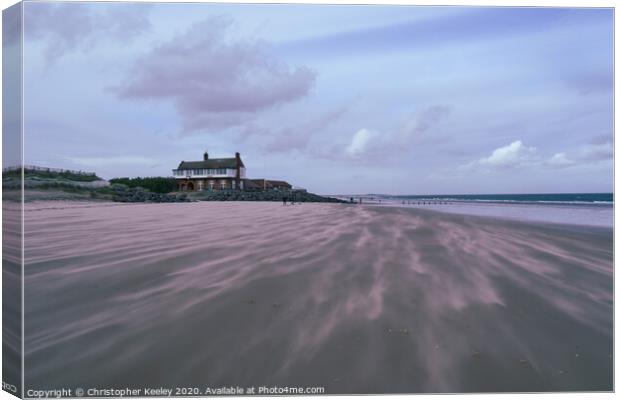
x: 536, y: 3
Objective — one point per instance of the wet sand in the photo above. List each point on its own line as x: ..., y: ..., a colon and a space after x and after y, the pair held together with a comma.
x: 357, y: 299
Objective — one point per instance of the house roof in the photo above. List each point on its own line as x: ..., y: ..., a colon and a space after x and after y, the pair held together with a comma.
x: 278, y: 183
x: 253, y: 184
x: 269, y: 182
x: 212, y: 163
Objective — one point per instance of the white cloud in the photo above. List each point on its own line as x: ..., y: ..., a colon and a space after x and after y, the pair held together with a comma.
x: 560, y: 160
x: 514, y: 155
x: 413, y: 131
x: 587, y: 154
x: 359, y: 142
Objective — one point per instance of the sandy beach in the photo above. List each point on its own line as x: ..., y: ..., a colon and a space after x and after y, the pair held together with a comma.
x: 11, y: 293
x: 356, y: 299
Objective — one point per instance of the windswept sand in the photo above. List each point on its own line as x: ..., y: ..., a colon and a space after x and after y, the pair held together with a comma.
x: 358, y: 299
x: 11, y: 293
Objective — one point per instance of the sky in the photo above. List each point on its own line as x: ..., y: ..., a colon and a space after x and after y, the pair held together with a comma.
x: 335, y: 99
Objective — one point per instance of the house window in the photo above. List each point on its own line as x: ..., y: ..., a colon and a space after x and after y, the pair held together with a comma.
x: 234, y: 184
x: 223, y: 184
x: 211, y: 184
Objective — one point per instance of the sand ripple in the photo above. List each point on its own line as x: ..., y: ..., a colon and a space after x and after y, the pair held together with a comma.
x: 357, y: 299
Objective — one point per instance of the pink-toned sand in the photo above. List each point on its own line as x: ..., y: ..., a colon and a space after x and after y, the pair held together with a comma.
x: 11, y: 293
x: 358, y: 299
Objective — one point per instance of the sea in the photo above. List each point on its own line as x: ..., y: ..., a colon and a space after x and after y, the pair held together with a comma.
x: 590, y: 209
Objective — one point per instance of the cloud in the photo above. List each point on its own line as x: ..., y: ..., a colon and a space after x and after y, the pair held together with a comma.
x: 560, y: 160
x: 297, y: 137
x: 80, y: 26
x: 596, y: 152
x: 588, y: 82
x: 365, y: 145
x: 359, y: 142
x: 213, y: 82
x: 517, y: 155
x: 514, y: 155
x: 413, y: 131
x: 458, y: 25
x: 421, y: 122
x: 586, y: 154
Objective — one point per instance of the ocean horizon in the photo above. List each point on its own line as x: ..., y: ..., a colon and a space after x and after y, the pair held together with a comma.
x: 526, y: 198
x: 586, y: 209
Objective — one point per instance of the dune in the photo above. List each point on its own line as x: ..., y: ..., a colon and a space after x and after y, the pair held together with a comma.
x: 355, y: 299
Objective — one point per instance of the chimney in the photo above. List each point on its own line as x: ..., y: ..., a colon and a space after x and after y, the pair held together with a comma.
x: 238, y: 173
x: 205, y: 156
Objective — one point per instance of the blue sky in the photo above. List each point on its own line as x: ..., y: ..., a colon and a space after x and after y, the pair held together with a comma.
x: 337, y: 99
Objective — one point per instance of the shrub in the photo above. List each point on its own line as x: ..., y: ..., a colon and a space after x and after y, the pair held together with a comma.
x: 154, y: 184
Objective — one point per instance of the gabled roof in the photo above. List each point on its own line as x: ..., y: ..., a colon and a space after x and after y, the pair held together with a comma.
x: 212, y: 163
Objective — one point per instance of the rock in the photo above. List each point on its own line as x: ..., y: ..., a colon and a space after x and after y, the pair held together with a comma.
x: 267, y: 195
